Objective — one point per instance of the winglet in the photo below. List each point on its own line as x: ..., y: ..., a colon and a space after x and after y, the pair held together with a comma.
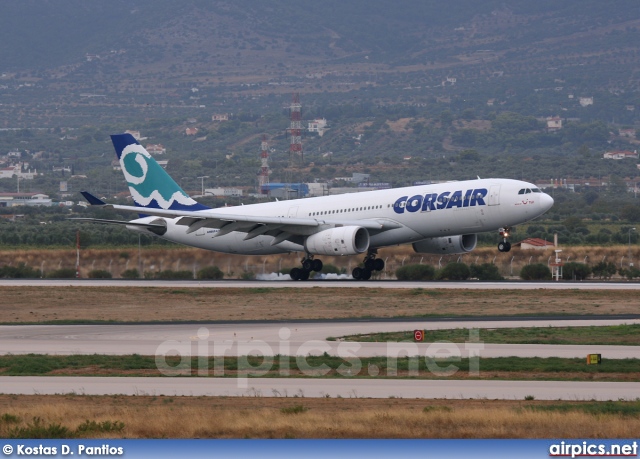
x: 91, y: 199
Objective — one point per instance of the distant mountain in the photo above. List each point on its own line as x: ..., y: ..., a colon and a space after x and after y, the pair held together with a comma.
x: 37, y: 34
x: 160, y: 52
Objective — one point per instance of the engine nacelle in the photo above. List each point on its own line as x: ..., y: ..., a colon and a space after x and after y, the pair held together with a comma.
x: 452, y: 244
x: 343, y: 240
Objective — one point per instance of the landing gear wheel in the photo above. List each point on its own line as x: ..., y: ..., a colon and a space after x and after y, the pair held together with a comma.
x: 304, y: 275
x: 378, y: 264
x: 307, y: 264
x: 366, y: 275
x: 369, y: 263
x: 504, y: 246
x: 358, y: 273
x: 296, y: 274
x: 316, y: 266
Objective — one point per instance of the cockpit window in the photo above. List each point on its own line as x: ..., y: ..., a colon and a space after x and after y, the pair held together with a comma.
x: 528, y: 191
x: 521, y: 191
x: 537, y: 190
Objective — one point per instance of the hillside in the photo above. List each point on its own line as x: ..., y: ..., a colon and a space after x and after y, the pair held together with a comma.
x: 160, y: 58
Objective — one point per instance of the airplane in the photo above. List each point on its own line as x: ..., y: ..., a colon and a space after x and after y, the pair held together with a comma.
x: 442, y: 218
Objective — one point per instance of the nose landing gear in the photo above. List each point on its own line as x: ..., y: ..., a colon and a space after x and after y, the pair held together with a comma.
x: 308, y: 264
x: 504, y: 245
x: 371, y: 263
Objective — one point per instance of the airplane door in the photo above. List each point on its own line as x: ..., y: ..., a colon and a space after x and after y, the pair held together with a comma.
x: 494, y: 195
x: 293, y: 212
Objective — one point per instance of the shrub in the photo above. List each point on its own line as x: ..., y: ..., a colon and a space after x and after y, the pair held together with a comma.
x: 62, y: 273
x: 99, y: 274
x: 455, y: 271
x: 536, y: 271
x: 38, y: 429
x: 328, y: 268
x: 130, y: 274
x: 170, y: 274
x: 211, y: 273
x: 630, y: 273
x: 416, y: 273
x: 575, y: 270
x: 485, y: 272
x: 295, y: 409
x: 19, y: 271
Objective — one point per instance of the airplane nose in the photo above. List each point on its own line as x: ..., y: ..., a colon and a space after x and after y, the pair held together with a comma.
x: 546, y: 202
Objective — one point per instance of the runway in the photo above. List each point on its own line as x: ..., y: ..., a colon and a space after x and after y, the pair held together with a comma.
x: 297, y: 338
x: 320, y: 387
x: 473, y: 285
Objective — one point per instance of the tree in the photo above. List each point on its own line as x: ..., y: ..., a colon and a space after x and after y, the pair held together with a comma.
x: 604, y: 270
x: 575, y: 271
x: 630, y: 213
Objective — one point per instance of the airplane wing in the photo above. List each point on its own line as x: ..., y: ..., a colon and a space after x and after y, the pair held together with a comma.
x: 281, y: 228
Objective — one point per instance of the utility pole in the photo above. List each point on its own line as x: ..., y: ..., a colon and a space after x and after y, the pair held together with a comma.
x: 202, y: 183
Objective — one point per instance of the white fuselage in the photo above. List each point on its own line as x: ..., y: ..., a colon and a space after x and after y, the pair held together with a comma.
x: 419, y: 212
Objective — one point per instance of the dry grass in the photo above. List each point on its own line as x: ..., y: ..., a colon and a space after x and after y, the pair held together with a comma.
x: 134, y: 304
x: 181, y: 258
x: 208, y: 417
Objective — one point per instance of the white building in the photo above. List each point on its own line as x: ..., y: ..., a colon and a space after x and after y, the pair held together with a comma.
x: 585, y: 101
x: 227, y: 192
x: 620, y: 154
x: 554, y: 123
x: 24, y: 199
x: 16, y: 171
x: 156, y: 149
x: 318, y: 125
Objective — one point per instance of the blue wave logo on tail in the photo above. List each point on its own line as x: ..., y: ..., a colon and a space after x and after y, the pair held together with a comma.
x: 149, y: 183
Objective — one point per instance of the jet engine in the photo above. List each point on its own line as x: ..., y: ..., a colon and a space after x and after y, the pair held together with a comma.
x: 452, y: 244
x: 342, y: 240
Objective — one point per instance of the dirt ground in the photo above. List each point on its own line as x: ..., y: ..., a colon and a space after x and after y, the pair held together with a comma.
x: 44, y: 304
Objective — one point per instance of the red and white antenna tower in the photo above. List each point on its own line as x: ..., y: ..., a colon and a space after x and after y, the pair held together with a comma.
x: 263, y: 176
x: 295, y: 132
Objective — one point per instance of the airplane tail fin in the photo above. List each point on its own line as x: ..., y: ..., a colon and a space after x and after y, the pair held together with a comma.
x: 149, y: 183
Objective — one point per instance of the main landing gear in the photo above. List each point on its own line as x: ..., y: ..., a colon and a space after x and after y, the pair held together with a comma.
x: 504, y: 245
x: 308, y: 264
x: 371, y: 263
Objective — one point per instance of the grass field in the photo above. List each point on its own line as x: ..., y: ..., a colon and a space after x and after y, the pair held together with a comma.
x: 136, y: 304
x: 508, y: 368
x: 620, y: 335
x: 256, y: 417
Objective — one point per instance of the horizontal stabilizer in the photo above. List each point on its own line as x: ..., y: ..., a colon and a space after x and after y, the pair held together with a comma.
x: 91, y: 199
x: 118, y: 222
